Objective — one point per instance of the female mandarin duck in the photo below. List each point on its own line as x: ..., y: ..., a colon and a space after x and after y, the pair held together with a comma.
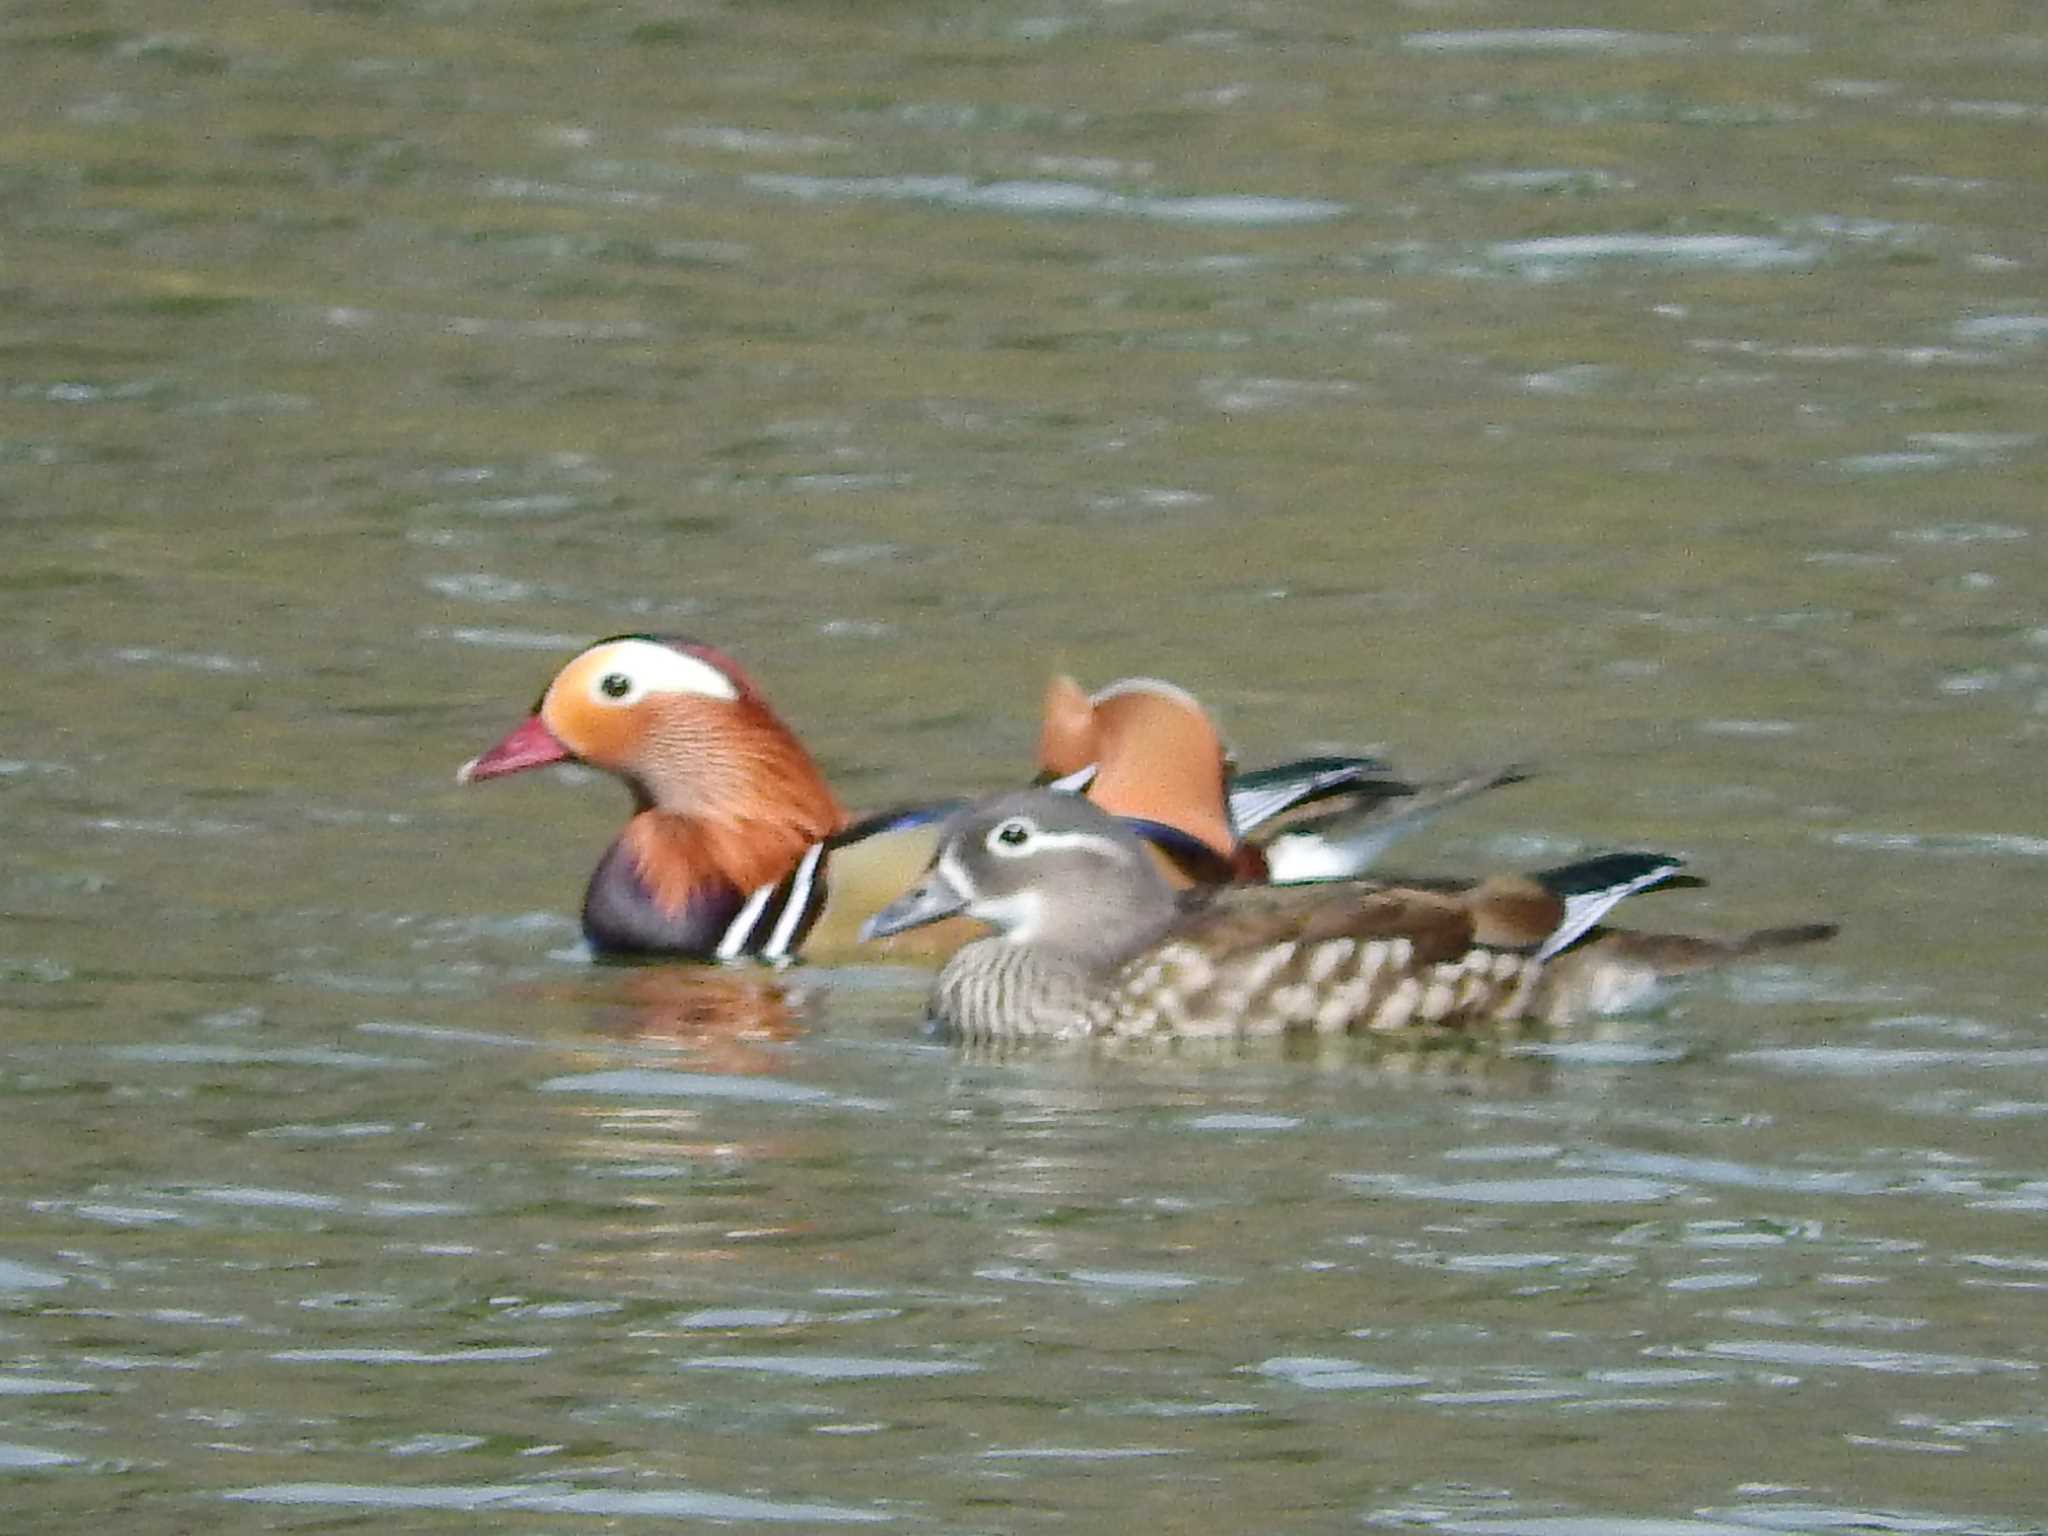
x: 1158, y: 759
x: 737, y: 845
x: 1091, y: 941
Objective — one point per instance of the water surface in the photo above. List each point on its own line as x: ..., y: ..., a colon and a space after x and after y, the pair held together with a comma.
x: 1651, y: 396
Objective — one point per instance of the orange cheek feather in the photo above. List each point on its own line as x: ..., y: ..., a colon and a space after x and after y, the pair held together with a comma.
x: 603, y: 738
x: 738, y: 799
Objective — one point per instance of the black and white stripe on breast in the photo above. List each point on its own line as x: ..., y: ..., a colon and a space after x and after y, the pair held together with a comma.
x: 772, y: 922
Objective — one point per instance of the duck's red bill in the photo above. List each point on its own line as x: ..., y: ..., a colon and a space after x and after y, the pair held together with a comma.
x: 531, y: 745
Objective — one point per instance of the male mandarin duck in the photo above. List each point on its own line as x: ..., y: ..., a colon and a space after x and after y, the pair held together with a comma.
x: 727, y: 806
x: 738, y: 847
x: 1159, y: 759
x: 1091, y: 941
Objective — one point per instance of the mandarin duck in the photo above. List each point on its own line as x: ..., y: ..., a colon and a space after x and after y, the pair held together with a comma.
x: 737, y: 846
x: 1091, y: 941
x: 1159, y: 758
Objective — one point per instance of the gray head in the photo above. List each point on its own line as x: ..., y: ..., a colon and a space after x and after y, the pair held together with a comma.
x: 1046, y: 869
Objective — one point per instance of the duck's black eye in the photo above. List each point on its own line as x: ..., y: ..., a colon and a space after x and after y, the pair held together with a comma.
x: 615, y: 685
x: 1014, y: 833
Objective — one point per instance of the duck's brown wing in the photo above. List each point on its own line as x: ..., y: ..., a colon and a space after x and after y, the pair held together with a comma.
x: 1513, y: 911
x: 1239, y: 920
x: 1506, y: 911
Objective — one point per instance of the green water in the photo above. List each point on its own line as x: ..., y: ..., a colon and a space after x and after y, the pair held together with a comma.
x: 1660, y: 404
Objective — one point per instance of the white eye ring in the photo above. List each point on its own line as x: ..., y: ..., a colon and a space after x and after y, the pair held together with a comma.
x: 635, y: 668
x: 1012, y: 838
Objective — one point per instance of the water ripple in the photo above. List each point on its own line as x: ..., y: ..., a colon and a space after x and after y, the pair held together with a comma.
x: 1740, y: 252
x: 650, y: 1082
x: 1544, y: 40
x: 2016, y: 330
x: 830, y: 1367
x: 1871, y: 1060
x: 541, y: 1498
x: 1058, y: 197
x: 276, y: 1056
x: 745, y: 1317
x: 1228, y: 1121
x: 25, y: 1277
x: 1564, y: 1190
x: 301, y: 1200
x: 1157, y: 1282
x: 1857, y: 1357
x: 445, y: 1034
x: 42, y: 1386
x: 505, y: 1354
x: 1811, y: 1519
x: 1965, y: 844
x: 1325, y: 1373
x: 1591, y: 1525
x: 1080, y: 1453
x: 1712, y: 1170
x: 505, y: 639
x: 28, y: 1458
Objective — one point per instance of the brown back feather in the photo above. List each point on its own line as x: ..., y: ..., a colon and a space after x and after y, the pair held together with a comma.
x: 1231, y: 920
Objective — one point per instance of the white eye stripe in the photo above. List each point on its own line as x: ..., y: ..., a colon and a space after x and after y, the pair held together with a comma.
x: 1012, y: 838
x: 627, y: 671
x: 1040, y: 841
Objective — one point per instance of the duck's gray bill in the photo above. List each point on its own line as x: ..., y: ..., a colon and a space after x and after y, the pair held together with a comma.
x: 932, y: 898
